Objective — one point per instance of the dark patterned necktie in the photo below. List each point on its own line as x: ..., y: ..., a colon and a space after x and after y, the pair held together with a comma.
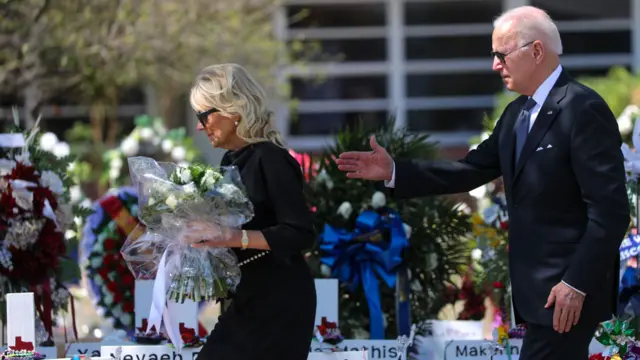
x: 522, y: 126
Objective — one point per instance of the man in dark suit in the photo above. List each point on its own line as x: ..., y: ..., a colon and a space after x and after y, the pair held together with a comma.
x: 558, y: 149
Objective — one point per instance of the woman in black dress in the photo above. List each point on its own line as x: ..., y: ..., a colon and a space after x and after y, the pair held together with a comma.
x: 272, y: 312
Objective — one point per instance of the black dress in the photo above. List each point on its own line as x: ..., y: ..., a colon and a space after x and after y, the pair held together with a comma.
x: 272, y: 312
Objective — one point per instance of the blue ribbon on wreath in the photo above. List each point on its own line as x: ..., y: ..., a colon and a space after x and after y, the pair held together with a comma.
x: 365, y: 256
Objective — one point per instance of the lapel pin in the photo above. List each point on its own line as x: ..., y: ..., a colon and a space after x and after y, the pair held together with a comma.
x: 550, y: 112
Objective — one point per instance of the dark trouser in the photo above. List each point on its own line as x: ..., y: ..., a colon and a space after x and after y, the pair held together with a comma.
x: 544, y: 343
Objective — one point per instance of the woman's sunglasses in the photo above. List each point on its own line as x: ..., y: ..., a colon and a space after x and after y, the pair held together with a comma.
x: 202, y: 116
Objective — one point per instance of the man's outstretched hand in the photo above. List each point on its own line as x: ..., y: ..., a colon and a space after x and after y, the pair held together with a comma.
x: 369, y: 165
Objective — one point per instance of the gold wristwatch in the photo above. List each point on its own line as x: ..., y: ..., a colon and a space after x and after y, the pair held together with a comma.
x: 245, y: 240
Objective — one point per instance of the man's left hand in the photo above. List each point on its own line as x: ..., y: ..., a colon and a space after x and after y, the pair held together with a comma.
x: 567, y: 305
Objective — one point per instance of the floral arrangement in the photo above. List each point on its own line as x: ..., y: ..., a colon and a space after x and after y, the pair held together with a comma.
x: 189, y: 337
x: 490, y: 248
x: 174, y: 202
x: 21, y: 354
x: 151, y: 138
x: 34, y: 217
x: 619, y: 338
x: 111, y: 283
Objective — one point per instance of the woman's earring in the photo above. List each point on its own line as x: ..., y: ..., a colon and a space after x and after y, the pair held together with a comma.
x: 236, y: 123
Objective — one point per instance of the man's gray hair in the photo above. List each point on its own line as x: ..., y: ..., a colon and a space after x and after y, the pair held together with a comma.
x: 532, y: 23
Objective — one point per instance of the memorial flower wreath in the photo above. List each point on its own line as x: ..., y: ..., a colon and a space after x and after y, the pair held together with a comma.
x: 35, y: 213
x: 111, y: 284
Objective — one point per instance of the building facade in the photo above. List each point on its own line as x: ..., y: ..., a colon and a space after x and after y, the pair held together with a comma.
x: 426, y: 62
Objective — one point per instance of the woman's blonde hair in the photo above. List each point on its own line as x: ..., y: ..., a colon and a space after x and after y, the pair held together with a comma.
x: 230, y: 89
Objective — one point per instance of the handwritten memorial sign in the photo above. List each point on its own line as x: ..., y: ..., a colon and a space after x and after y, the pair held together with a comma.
x: 630, y: 247
x: 49, y: 352
x: 88, y: 349
x: 347, y: 355
x: 478, y: 350
x: 373, y: 349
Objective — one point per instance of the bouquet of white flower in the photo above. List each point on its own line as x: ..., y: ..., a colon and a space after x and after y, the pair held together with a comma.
x: 171, y: 198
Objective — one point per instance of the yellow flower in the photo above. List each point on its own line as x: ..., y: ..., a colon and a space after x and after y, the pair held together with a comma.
x: 503, y: 334
x: 495, y: 242
x: 476, y: 219
x: 616, y: 357
x: 491, y: 233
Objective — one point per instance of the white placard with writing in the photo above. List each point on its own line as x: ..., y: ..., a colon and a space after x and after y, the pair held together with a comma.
x: 49, y: 352
x: 21, y: 318
x: 327, y: 304
x: 478, y: 350
x: 148, y: 352
x: 454, y: 329
x: 89, y: 349
x: 438, y: 333
x: 345, y: 355
x: 374, y: 349
x: 186, y: 312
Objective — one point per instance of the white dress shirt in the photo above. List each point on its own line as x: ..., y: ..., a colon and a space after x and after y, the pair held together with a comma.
x: 539, y: 96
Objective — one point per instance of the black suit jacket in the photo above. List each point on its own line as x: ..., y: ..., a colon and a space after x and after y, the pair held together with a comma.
x: 567, y: 202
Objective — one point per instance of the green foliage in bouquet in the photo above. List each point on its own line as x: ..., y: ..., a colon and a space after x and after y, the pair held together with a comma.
x: 437, y: 243
x: 187, y: 184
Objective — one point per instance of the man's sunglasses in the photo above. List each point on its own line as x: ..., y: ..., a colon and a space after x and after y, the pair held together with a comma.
x: 202, y: 116
x: 502, y: 56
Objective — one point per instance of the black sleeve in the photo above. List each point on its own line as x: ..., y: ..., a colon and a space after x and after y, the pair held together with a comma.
x: 415, y: 178
x: 598, y: 163
x: 283, y: 180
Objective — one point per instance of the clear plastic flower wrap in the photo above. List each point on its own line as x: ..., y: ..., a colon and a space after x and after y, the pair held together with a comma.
x: 174, y: 203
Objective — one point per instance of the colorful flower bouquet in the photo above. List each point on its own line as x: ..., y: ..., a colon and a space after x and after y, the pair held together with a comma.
x: 21, y: 354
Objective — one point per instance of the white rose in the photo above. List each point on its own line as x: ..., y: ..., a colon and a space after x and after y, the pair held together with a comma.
x: 50, y: 180
x: 178, y: 153
x: 407, y: 230
x: 208, y: 180
x: 75, y: 193
x: 61, y: 150
x: 345, y: 210
x: 171, y: 202
x: 625, y: 121
x: 116, y: 163
x: 325, y: 270
x: 323, y: 177
x: 114, y: 173
x: 378, y: 200
x: 130, y: 146
x: 146, y: 133
x: 48, y: 141
x: 476, y: 254
x: 69, y: 234
x: 185, y: 175
x: 167, y: 145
